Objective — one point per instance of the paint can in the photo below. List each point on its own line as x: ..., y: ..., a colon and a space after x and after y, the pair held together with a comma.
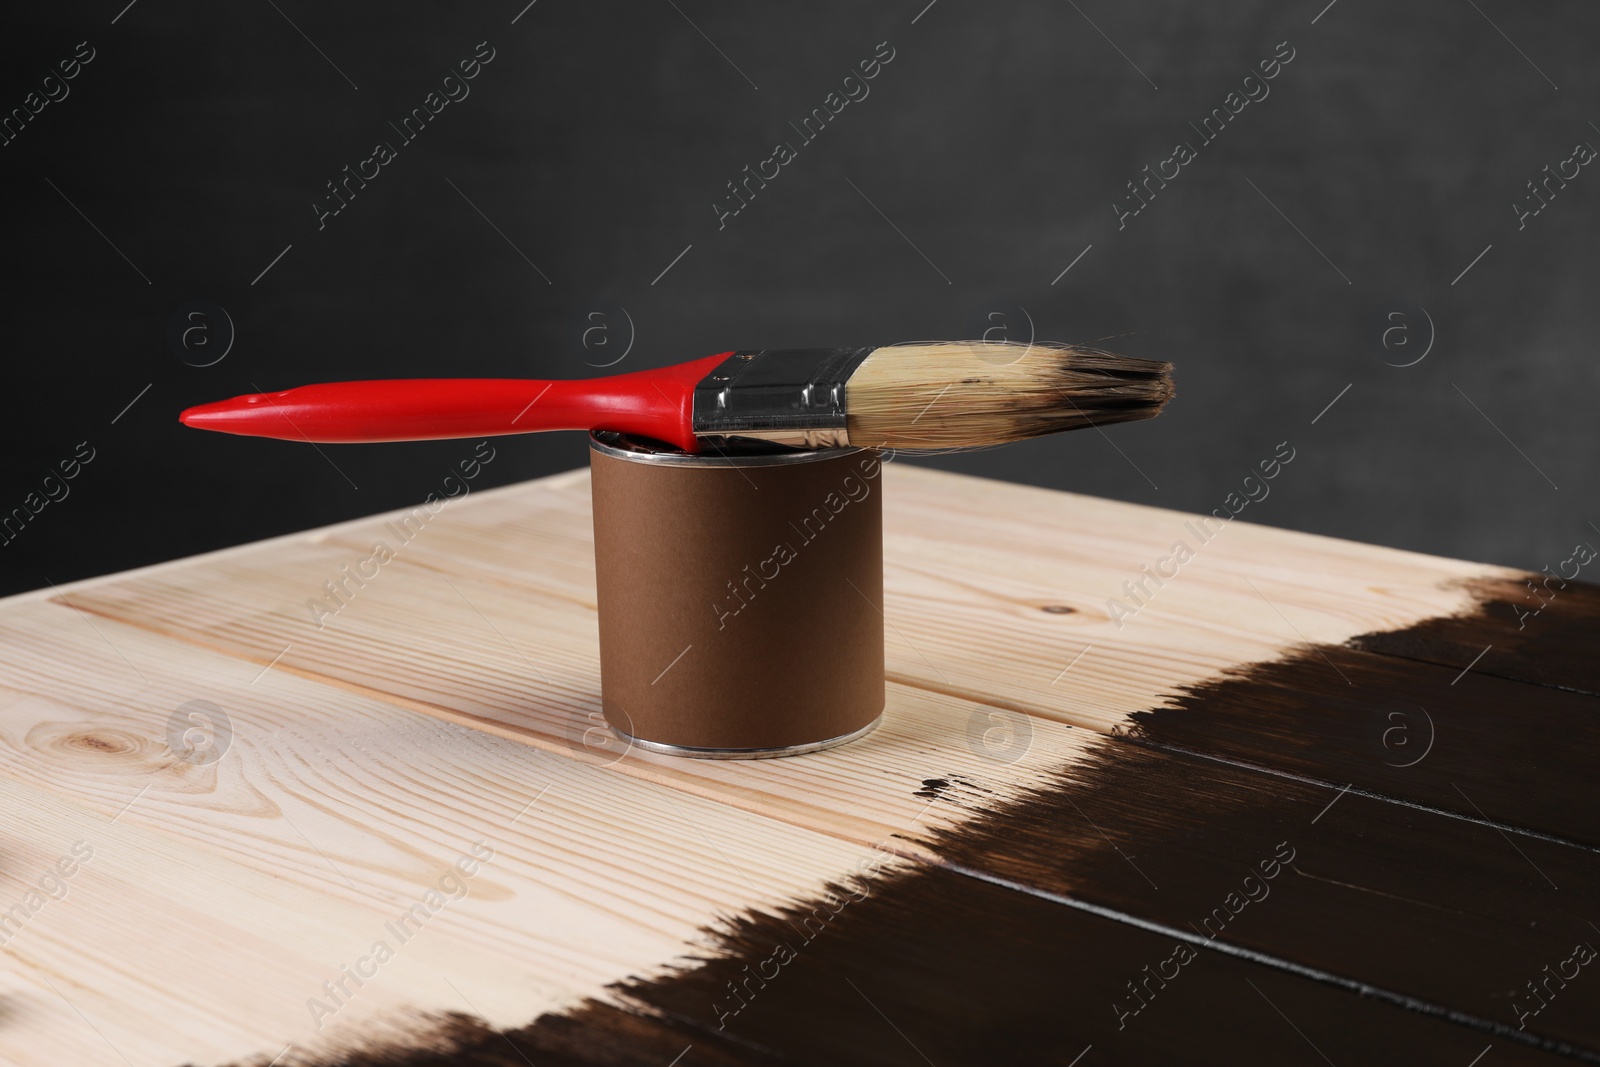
x: 740, y: 597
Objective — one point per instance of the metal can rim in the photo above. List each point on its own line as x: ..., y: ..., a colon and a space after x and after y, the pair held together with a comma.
x: 635, y: 450
x: 694, y: 752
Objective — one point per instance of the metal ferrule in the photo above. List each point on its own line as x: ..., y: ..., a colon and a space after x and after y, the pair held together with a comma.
x: 794, y: 397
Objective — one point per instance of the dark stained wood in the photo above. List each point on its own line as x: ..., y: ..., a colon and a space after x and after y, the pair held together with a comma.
x: 1422, y: 906
x: 592, y: 1035
x: 937, y: 966
x: 1546, y: 634
x: 1501, y: 751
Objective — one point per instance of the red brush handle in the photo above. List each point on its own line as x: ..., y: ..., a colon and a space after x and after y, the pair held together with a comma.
x: 651, y: 403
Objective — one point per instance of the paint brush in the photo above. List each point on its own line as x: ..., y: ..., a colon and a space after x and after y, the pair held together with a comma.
x: 920, y: 397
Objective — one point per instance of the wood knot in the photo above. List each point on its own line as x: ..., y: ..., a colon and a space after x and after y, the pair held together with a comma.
x: 102, y: 747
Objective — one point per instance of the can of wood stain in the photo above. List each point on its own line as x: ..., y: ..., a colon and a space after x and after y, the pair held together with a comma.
x: 740, y: 597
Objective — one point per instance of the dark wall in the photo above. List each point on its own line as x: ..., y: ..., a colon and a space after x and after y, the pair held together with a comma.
x: 1386, y: 156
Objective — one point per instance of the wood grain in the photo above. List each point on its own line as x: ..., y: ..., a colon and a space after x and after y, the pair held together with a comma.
x: 1464, y: 743
x: 946, y: 968
x: 254, y: 879
x: 522, y: 664
x: 1533, y: 628
x: 1048, y: 649
x: 452, y: 697
x: 1416, y: 908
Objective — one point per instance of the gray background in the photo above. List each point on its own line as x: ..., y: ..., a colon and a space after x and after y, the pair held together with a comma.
x: 985, y: 160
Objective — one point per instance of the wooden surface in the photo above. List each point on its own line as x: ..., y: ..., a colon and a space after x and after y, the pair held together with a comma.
x: 1057, y: 810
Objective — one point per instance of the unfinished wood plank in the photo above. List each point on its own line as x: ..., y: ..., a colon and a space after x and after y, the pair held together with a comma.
x: 1245, y: 596
x: 987, y: 635
x: 256, y: 878
x: 523, y: 664
x: 993, y: 612
x: 160, y: 951
x: 542, y: 527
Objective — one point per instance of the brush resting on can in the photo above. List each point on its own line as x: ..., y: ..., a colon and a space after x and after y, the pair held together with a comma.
x: 928, y: 397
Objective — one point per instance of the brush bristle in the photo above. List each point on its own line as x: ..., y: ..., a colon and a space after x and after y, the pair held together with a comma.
x: 967, y: 394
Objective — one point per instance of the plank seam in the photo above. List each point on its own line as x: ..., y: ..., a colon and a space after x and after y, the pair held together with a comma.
x: 1351, y: 646
x: 1402, y: 1000
x: 1503, y: 827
